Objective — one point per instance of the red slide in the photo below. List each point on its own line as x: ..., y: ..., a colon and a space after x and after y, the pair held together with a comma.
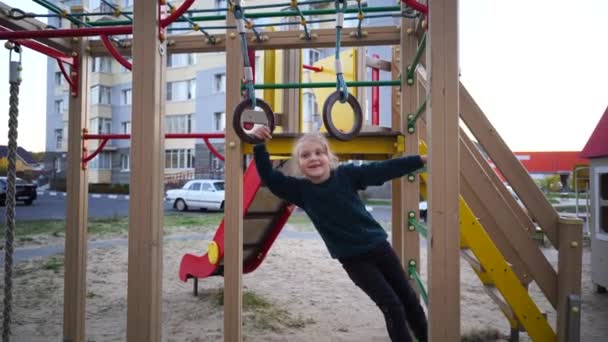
x: 264, y: 215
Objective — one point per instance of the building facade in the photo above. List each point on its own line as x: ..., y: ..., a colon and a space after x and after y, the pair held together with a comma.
x: 196, y: 85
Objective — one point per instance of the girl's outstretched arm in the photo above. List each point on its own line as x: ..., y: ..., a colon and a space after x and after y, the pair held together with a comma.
x: 376, y: 173
x: 279, y: 184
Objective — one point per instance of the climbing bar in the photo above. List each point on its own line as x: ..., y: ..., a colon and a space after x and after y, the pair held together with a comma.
x: 44, y: 49
x: 276, y: 14
x: 114, y: 52
x: 414, y: 4
x: 412, y: 67
x: 360, y: 17
x: 319, y: 21
x: 195, y: 27
x: 294, y: 5
x: 117, y: 11
x: 106, y: 137
x: 413, y: 224
x: 61, y: 12
x: 411, y: 118
x: 327, y: 85
x: 411, y: 270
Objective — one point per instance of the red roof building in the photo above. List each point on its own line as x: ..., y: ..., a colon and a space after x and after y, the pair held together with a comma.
x: 597, y: 145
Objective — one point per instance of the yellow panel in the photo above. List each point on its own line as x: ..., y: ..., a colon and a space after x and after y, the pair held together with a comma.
x: 341, y: 113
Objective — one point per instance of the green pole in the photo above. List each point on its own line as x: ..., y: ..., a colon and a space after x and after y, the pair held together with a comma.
x: 411, y: 268
x: 327, y: 84
x: 413, y: 224
x: 258, y: 15
x: 51, y: 7
x: 412, y: 67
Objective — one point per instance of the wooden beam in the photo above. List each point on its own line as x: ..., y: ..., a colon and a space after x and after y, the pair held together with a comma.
x: 233, y: 212
x: 75, y: 285
x: 510, y: 234
x: 407, y: 189
x: 378, y: 63
x: 509, y: 166
x: 323, y: 38
x: 444, y: 164
x: 144, y: 293
x: 570, y: 261
x: 31, y: 24
x: 292, y: 69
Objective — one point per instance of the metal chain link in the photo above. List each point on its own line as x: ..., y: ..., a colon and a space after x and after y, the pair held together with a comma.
x: 15, y: 80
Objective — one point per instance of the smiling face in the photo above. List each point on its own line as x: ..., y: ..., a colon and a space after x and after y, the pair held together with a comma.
x: 313, y: 160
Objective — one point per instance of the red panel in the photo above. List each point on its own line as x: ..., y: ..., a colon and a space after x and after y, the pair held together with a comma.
x: 597, y: 146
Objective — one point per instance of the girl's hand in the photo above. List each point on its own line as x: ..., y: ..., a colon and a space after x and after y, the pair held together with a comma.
x: 261, y: 132
x: 423, y: 157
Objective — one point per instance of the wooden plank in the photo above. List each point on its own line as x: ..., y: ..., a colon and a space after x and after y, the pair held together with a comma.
x: 511, y: 232
x: 31, y: 24
x: 144, y: 293
x: 361, y: 74
x: 509, y: 166
x: 323, y: 38
x: 233, y: 218
x: 443, y: 185
x: 75, y: 285
x: 569, y: 270
x: 519, y: 212
x: 377, y: 63
x: 410, y: 190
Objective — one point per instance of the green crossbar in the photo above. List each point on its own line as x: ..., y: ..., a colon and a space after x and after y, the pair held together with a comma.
x: 411, y: 270
x: 413, y: 224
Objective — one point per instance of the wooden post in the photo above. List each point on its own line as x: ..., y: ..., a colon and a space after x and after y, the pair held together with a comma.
x: 75, y: 287
x: 144, y: 293
x: 233, y: 209
x: 443, y: 166
x: 569, y: 271
x: 398, y: 212
x: 360, y: 59
x: 292, y: 71
x: 409, y: 105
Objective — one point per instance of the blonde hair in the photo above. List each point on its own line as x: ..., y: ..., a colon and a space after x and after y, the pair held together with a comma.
x: 320, y: 139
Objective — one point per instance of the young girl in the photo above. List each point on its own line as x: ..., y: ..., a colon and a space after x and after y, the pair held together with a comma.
x: 329, y: 197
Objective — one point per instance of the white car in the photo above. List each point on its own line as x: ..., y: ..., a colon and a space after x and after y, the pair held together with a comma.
x: 198, y: 194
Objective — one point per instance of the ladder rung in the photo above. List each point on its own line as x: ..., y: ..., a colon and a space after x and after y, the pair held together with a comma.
x: 493, y: 292
x: 468, y: 255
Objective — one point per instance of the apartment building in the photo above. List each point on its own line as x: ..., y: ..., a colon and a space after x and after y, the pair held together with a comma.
x: 195, y: 103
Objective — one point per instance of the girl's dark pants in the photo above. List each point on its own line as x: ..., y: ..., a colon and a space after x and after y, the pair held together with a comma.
x: 379, y: 274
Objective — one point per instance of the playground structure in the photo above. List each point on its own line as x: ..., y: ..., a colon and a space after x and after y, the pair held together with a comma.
x: 495, y: 234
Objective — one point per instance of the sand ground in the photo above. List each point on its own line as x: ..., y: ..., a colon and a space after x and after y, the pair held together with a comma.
x: 310, y: 299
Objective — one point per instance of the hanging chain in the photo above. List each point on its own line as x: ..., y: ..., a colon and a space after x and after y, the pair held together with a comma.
x: 14, y: 80
x: 340, y: 83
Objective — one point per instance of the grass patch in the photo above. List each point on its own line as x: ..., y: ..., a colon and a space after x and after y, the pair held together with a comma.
x: 571, y: 209
x: 53, y: 264
x: 261, y: 314
x: 116, y: 225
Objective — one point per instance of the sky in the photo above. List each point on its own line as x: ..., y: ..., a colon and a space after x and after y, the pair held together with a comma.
x: 539, y: 72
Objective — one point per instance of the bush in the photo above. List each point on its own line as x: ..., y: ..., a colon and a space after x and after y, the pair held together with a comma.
x: 98, y: 188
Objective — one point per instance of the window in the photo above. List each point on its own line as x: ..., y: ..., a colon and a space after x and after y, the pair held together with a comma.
x: 221, y: 4
x: 101, y: 126
x: 101, y: 64
x: 123, y: 69
x: 179, y: 123
x: 101, y: 6
x: 219, y: 121
x: 127, y: 3
x: 126, y: 96
x: 124, y: 162
x: 181, y: 90
x: 311, y: 56
x: 219, y: 186
x: 179, y: 159
x: 126, y: 127
x: 216, y: 164
x: 59, y: 108
x: 58, y: 78
x: 58, y: 137
x: 102, y: 161
x: 57, y: 164
x: 206, y: 187
x: 181, y: 60
x: 100, y: 95
x: 219, y: 83
x: 195, y: 187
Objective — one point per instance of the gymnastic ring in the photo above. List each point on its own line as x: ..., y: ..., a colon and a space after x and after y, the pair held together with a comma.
x: 329, y: 124
x: 240, y: 113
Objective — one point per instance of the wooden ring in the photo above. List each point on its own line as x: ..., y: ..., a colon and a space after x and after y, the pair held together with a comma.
x: 329, y: 124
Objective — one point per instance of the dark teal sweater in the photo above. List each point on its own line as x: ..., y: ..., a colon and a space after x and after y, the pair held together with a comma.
x: 334, y: 206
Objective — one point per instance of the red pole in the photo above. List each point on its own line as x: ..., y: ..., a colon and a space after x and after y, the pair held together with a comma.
x: 417, y: 6
x: 112, y: 50
x: 375, y: 95
x: 63, y: 33
x: 313, y: 68
x: 46, y: 50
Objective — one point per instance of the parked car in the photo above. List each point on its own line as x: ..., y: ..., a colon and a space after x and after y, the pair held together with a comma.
x: 198, y: 194
x: 24, y: 191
